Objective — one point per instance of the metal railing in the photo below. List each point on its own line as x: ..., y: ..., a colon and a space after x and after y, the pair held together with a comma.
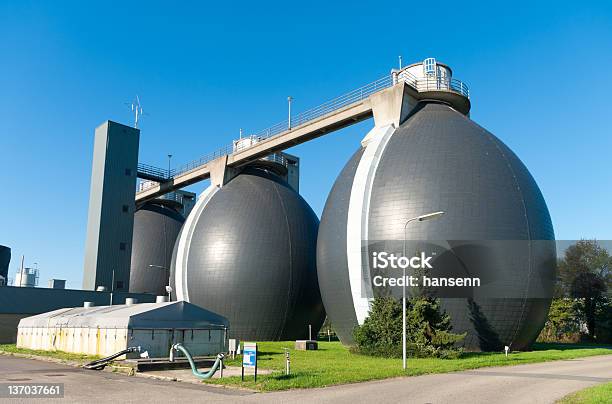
x: 307, y: 116
x: 434, y: 83
x: 442, y: 84
x: 333, y: 105
x: 176, y: 197
x: 192, y: 165
x: 276, y: 158
x: 155, y: 171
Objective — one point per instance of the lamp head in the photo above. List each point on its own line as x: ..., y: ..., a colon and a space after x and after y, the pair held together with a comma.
x: 430, y: 216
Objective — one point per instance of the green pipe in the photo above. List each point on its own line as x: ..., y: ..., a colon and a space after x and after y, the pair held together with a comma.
x: 194, y: 369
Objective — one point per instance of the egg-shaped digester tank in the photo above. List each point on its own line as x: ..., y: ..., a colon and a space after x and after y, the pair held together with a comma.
x: 439, y: 160
x: 156, y: 226
x: 248, y: 252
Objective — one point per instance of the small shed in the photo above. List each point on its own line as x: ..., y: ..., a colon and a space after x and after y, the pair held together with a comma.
x: 105, y: 330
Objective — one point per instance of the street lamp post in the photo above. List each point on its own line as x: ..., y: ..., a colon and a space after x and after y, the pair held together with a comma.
x: 168, y: 288
x: 289, y: 99
x: 420, y: 218
x: 112, y: 287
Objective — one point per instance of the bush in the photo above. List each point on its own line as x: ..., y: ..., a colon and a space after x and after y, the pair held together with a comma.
x: 428, y: 330
x: 563, y: 324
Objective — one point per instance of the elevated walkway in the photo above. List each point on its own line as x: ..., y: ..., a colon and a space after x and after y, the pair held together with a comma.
x: 389, y: 100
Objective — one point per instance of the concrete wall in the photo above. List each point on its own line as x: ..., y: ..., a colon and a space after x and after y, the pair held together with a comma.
x: 8, y: 327
x: 111, y: 207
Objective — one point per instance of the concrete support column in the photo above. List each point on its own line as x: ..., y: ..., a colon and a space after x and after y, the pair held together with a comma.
x: 220, y: 173
x: 393, y: 105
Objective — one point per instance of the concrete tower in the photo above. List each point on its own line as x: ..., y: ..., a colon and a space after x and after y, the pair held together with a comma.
x: 111, y: 207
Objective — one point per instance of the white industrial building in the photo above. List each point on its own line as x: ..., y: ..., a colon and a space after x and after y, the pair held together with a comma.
x: 105, y: 330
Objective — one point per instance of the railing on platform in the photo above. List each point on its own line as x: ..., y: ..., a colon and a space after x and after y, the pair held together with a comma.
x: 433, y: 83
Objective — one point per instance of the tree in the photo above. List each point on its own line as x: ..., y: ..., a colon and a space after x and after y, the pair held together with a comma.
x: 563, y: 323
x: 381, y: 332
x: 429, y: 331
x: 428, y: 326
x: 590, y: 289
x: 585, y: 274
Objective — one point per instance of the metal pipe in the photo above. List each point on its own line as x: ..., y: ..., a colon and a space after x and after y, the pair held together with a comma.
x: 194, y: 369
x: 101, y: 363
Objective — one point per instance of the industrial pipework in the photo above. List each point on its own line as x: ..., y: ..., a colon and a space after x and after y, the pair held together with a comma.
x: 101, y: 363
x: 218, y: 363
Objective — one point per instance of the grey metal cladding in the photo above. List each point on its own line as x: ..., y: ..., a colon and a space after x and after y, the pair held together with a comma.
x: 332, y: 264
x: 252, y: 259
x: 449, y: 163
x: 172, y: 282
x: 5, y: 259
x: 441, y: 160
x: 156, y: 228
x: 18, y: 300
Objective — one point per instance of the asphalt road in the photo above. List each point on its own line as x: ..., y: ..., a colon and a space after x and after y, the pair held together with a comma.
x: 536, y: 383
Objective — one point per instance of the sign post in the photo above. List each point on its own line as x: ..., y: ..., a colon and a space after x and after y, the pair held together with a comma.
x: 249, y: 357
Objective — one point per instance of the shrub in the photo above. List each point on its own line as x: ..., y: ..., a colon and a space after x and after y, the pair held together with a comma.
x: 428, y: 330
x: 563, y: 324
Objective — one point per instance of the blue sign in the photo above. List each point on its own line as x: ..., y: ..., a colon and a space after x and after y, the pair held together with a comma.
x: 249, y: 355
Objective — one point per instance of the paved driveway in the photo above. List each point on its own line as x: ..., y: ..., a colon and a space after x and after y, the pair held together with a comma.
x: 536, y: 383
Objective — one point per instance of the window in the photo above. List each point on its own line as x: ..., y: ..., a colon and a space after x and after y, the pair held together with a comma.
x: 125, y: 208
x: 128, y: 172
x: 122, y: 246
x: 119, y: 285
x: 429, y: 66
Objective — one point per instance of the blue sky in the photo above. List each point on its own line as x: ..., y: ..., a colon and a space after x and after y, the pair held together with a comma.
x: 539, y: 73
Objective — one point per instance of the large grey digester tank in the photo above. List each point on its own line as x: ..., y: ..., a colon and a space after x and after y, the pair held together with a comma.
x: 438, y: 159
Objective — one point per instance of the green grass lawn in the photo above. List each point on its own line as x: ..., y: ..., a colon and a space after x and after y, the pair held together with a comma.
x: 11, y: 348
x: 335, y: 364
x: 599, y: 394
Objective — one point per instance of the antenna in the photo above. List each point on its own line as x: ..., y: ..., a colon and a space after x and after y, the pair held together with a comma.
x: 136, y: 108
